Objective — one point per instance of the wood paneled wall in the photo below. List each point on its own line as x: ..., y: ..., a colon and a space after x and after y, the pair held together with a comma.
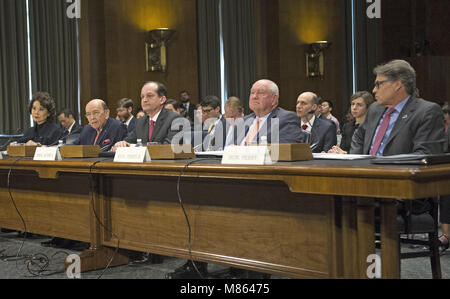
x: 287, y: 27
x: 112, y: 46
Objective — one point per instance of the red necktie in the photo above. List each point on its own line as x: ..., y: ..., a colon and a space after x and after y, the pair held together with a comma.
x: 150, y: 130
x: 96, y: 138
x: 66, y: 133
x: 381, y: 132
x: 305, y: 127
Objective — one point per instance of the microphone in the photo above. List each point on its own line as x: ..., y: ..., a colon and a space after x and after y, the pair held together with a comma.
x: 312, y: 111
x: 5, y: 145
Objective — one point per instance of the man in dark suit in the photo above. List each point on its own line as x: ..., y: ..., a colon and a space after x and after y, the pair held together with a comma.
x: 413, y: 125
x: 156, y: 126
x: 67, y: 120
x: 268, y: 123
x: 187, y: 108
x: 102, y: 130
x: 322, y: 131
x: 399, y: 122
x: 125, y: 113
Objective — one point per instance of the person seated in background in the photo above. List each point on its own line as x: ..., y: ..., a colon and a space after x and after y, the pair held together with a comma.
x: 327, y: 108
x: 186, y: 107
x: 140, y: 113
x: 360, y: 102
x: 102, y: 130
x: 67, y: 120
x: 156, y: 126
x: 234, y: 109
x: 125, y: 113
x: 172, y: 105
x: 214, y: 124
x: 322, y: 133
x: 45, y: 131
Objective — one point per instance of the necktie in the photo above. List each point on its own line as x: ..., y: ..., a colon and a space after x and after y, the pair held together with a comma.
x: 381, y: 132
x: 150, y: 130
x: 96, y: 138
x: 253, y: 133
x: 66, y: 133
x: 305, y: 127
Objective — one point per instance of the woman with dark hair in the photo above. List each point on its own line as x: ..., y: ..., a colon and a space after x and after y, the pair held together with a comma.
x: 360, y: 102
x: 45, y: 132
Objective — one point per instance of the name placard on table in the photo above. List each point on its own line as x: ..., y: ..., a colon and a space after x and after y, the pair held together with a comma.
x: 247, y: 155
x: 47, y: 154
x: 132, y: 155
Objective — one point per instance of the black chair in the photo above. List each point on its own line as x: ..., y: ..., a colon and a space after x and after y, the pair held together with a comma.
x: 411, y: 222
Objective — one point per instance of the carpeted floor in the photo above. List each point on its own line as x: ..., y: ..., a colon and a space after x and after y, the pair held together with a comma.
x: 38, y: 262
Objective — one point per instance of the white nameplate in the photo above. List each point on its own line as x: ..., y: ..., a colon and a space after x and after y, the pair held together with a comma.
x: 47, y: 154
x: 132, y: 155
x: 1, y: 156
x: 247, y: 155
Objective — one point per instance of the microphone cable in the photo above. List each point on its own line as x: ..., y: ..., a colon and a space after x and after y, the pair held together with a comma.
x: 184, y: 210
x: 91, y: 168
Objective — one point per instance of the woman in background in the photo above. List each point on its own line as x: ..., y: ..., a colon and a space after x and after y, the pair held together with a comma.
x: 45, y: 131
x: 360, y: 102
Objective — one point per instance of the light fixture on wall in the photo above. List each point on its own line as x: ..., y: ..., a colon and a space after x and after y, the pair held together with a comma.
x: 156, y: 49
x: 315, y: 60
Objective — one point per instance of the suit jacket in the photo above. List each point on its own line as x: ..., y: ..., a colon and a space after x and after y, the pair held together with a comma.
x: 132, y: 124
x: 289, y: 126
x: 323, y: 135
x: 76, y: 129
x: 216, y: 140
x: 113, y: 132
x: 348, y: 130
x: 45, y: 134
x: 419, y: 130
x: 162, y: 133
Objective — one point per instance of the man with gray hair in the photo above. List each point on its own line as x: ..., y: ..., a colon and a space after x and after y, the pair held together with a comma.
x: 268, y: 122
x: 399, y: 122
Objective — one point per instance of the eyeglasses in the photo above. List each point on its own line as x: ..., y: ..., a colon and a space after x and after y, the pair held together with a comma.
x: 379, y: 83
x: 207, y: 110
x: 94, y: 113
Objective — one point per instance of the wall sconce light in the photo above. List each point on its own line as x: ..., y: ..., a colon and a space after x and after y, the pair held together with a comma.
x: 315, y: 59
x: 156, y: 49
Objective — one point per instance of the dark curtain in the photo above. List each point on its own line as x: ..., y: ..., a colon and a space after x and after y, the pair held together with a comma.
x: 238, y: 26
x: 14, y: 87
x: 368, y: 46
x: 54, y: 52
x: 208, y: 23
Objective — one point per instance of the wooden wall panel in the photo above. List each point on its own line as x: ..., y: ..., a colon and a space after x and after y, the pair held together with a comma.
x: 302, y: 22
x: 121, y: 40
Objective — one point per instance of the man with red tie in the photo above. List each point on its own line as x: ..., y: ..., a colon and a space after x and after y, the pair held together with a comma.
x: 102, y: 130
x: 67, y: 121
x: 322, y: 132
x: 156, y: 126
x: 399, y: 122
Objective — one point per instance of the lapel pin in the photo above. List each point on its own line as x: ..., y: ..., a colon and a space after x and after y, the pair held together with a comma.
x: 405, y: 116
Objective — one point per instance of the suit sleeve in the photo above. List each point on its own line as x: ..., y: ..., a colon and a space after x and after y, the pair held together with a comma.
x: 357, y: 147
x: 291, y: 131
x: 330, y: 138
x: 430, y: 134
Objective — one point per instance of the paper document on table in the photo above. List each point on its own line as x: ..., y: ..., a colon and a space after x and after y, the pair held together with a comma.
x: 325, y: 156
x: 209, y: 154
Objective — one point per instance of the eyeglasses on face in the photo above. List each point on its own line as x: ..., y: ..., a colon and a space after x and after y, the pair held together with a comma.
x: 379, y: 83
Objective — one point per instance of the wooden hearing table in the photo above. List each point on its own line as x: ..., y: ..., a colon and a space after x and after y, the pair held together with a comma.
x: 302, y: 220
